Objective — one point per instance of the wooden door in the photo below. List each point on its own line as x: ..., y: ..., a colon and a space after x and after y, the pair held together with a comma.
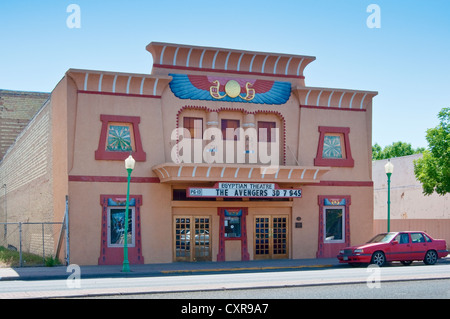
x: 271, y: 237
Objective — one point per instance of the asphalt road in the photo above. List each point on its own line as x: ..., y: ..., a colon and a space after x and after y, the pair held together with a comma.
x: 420, y: 289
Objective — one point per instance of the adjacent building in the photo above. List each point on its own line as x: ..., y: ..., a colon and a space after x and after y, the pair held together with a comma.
x: 410, y: 208
x: 17, y: 108
x: 236, y: 159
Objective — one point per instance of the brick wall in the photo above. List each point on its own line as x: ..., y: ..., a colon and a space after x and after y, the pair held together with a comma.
x: 16, y: 110
x: 26, y: 169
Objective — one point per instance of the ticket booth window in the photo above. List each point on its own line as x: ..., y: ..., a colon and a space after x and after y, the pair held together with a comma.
x: 232, y: 226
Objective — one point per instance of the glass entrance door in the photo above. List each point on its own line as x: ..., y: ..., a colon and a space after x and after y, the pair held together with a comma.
x: 271, y: 237
x: 192, y: 238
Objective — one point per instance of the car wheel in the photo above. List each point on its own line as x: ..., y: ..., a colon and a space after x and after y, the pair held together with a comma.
x: 378, y: 258
x: 430, y: 258
x: 406, y: 262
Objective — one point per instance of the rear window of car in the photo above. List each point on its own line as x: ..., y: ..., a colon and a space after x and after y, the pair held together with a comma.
x: 428, y: 239
x: 417, y: 238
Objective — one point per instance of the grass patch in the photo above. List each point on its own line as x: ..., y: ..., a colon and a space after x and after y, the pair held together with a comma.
x: 11, y: 258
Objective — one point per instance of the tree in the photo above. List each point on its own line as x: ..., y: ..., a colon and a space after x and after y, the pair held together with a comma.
x: 397, y: 149
x: 433, y: 169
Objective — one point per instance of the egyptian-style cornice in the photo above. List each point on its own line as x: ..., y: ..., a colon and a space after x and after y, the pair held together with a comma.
x: 334, y: 98
x: 102, y: 82
x: 203, y: 172
x: 184, y: 57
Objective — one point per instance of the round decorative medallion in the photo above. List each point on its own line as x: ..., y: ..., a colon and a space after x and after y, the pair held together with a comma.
x: 232, y: 88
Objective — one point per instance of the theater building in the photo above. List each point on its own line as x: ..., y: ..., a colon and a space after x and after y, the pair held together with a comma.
x: 236, y: 159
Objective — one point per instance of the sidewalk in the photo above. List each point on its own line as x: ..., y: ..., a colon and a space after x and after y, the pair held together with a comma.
x: 167, y: 269
x: 171, y: 269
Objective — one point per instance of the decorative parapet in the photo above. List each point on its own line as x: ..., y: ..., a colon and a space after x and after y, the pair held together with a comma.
x: 333, y: 98
x: 176, y: 56
x: 143, y: 85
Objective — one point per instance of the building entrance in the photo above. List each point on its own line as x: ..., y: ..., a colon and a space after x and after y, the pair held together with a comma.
x: 271, y: 237
x: 192, y: 238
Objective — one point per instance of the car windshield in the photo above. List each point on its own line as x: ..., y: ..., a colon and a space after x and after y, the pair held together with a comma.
x: 382, y: 238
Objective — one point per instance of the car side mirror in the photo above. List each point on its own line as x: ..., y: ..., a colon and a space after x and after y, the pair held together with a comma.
x: 395, y: 242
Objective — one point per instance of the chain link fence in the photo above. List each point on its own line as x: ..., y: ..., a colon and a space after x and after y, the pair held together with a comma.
x: 38, y: 244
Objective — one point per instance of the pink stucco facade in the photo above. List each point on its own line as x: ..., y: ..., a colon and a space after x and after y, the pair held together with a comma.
x: 321, y: 146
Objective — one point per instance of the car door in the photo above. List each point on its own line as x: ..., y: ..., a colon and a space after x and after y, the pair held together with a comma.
x: 418, y: 246
x: 401, y: 249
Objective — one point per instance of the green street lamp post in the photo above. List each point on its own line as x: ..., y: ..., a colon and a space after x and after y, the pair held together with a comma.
x: 389, y: 169
x: 129, y: 165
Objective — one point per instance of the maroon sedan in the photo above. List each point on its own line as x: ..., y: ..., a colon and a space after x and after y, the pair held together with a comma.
x: 405, y: 247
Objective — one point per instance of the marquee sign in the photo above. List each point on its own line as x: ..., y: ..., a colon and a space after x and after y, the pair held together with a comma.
x: 251, y: 190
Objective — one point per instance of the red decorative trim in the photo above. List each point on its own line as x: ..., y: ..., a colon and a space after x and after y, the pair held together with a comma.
x: 102, y: 154
x: 344, y: 162
x: 244, y: 244
x: 330, y: 250
x: 114, y: 255
x: 220, y: 109
x: 178, y: 67
x: 120, y: 94
x: 112, y: 179
x: 332, y: 108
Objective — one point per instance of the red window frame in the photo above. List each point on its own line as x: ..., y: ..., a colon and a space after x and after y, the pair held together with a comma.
x: 102, y: 154
x: 336, y: 162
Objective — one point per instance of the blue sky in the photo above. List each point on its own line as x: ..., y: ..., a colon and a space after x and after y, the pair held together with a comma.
x: 407, y: 59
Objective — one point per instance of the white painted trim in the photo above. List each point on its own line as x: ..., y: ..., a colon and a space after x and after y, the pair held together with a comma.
x: 275, y: 66
x: 329, y: 99
x: 175, y: 56
x: 201, y: 58
x: 340, y: 100
x: 114, y: 84
x: 188, y: 56
x: 100, y: 83
x: 214, y: 60
x: 128, y: 84
x: 299, y: 65
x: 155, y: 86
x: 162, y: 54
x: 251, y: 62
x: 226, y: 60
x: 141, y: 91
x: 362, y: 101
x: 287, y: 66
x: 86, y: 77
x: 264, y: 64
x: 239, y: 62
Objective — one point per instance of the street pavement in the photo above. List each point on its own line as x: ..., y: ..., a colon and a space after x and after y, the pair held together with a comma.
x: 176, y: 268
x: 167, y: 269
